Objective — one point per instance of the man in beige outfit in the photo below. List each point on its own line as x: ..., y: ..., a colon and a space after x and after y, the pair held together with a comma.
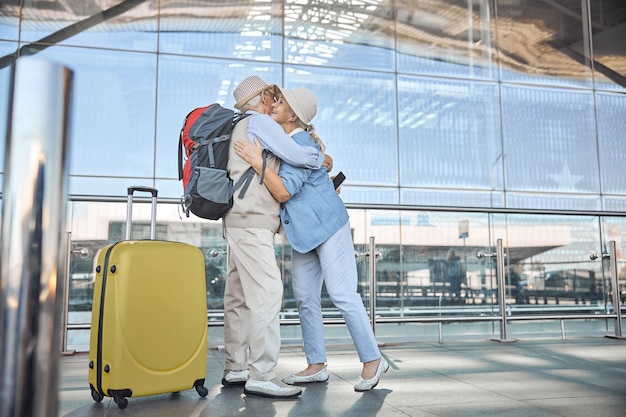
x: 254, y: 288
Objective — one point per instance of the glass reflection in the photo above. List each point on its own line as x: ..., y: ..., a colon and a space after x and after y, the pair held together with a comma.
x: 543, y: 42
x: 374, y: 107
x: 548, y: 265
x: 449, y: 134
x: 350, y: 35
x: 217, y: 28
x: 554, y: 201
x: 9, y: 21
x: 368, y: 195
x: 608, y: 25
x: 128, y: 24
x: 428, y: 264
x: 447, y: 198
x: 446, y: 38
x: 411, y: 107
x: 112, y: 114
x: 355, y: 119
x: 549, y: 140
x: 611, y: 113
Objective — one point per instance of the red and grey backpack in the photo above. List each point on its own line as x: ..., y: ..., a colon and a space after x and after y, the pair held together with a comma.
x: 202, y: 159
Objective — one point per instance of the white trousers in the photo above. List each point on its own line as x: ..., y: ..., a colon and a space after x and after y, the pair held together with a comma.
x: 331, y: 263
x: 252, y: 303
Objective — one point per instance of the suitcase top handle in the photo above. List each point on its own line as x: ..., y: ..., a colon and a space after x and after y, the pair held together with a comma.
x: 129, y: 210
x: 132, y: 189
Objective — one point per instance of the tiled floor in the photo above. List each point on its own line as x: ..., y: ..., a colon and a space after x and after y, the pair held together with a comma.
x: 569, y: 378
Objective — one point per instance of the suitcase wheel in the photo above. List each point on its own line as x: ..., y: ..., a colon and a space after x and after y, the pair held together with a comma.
x: 97, y: 397
x: 121, y: 402
x: 202, y: 390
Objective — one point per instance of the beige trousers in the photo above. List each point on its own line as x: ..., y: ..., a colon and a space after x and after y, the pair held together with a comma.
x: 252, y: 303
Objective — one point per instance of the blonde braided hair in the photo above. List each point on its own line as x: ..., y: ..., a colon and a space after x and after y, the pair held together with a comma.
x: 311, y: 130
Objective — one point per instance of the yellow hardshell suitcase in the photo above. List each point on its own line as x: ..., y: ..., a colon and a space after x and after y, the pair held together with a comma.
x: 149, y: 317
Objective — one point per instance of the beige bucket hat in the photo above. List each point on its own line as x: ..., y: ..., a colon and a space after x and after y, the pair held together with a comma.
x: 249, y: 88
x: 302, y: 102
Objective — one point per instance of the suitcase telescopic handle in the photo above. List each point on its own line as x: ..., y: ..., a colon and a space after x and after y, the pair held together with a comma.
x: 129, y: 210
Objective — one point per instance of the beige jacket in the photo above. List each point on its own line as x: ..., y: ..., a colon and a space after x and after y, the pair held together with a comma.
x: 257, y: 208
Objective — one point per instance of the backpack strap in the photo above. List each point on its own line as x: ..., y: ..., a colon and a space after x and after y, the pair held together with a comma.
x: 265, y: 153
x: 181, y: 146
x: 180, y: 156
x: 244, y: 182
x: 247, y: 176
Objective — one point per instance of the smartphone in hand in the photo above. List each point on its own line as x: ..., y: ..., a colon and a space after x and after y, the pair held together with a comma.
x: 339, y: 178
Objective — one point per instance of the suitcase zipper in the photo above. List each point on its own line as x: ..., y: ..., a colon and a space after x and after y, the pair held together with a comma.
x: 99, y: 363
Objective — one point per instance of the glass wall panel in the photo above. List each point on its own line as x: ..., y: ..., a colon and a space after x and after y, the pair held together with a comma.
x: 549, y: 140
x: 412, y: 110
x: 608, y: 25
x: 459, y: 198
x: 229, y: 29
x: 548, y: 265
x: 113, y: 122
x: 355, y: 119
x: 543, y: 42
x: 611, y: 113
x: 553, y: 201
x: 449, y: 134
x: 428, y: 264
x: 105, y: 186
x: 186, y: 83
x: 94, y: 225
x: 446, y: 38
x: 343, y: 33
x: 123, y: 24
x: 170, y: 188
x: 367, y: 195
x: 557, y: 328
x: 614, y: 204
x: 9, y: 21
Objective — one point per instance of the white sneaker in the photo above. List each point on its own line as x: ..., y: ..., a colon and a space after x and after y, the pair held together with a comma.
x: 234, y: 378
x: 271, y: 389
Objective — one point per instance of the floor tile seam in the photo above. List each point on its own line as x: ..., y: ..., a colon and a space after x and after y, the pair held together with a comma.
x: 575, y: 362
x: 570, y: 397
x: 481, y: 388
x: 74, y: 388
x: 521, y: 405
x: 571, y: 362
x: 464, y: 402
x: 586, y: 391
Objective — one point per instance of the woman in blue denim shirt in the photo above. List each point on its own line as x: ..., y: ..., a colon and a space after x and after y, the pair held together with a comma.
x: 317, y: 225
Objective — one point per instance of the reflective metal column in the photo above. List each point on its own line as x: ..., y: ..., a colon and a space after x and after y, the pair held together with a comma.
x: 373, y: 287
x: 500, y: 273
x: 33, y: 234
x: 617, y: 300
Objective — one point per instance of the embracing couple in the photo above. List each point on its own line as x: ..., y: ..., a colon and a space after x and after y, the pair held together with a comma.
x: 298, y: 193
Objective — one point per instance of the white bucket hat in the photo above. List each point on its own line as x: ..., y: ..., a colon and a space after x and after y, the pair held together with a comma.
x: 302, y: 102
x: 249, y: 88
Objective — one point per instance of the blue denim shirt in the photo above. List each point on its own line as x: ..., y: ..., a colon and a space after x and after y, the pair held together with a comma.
x: 315, y: 211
